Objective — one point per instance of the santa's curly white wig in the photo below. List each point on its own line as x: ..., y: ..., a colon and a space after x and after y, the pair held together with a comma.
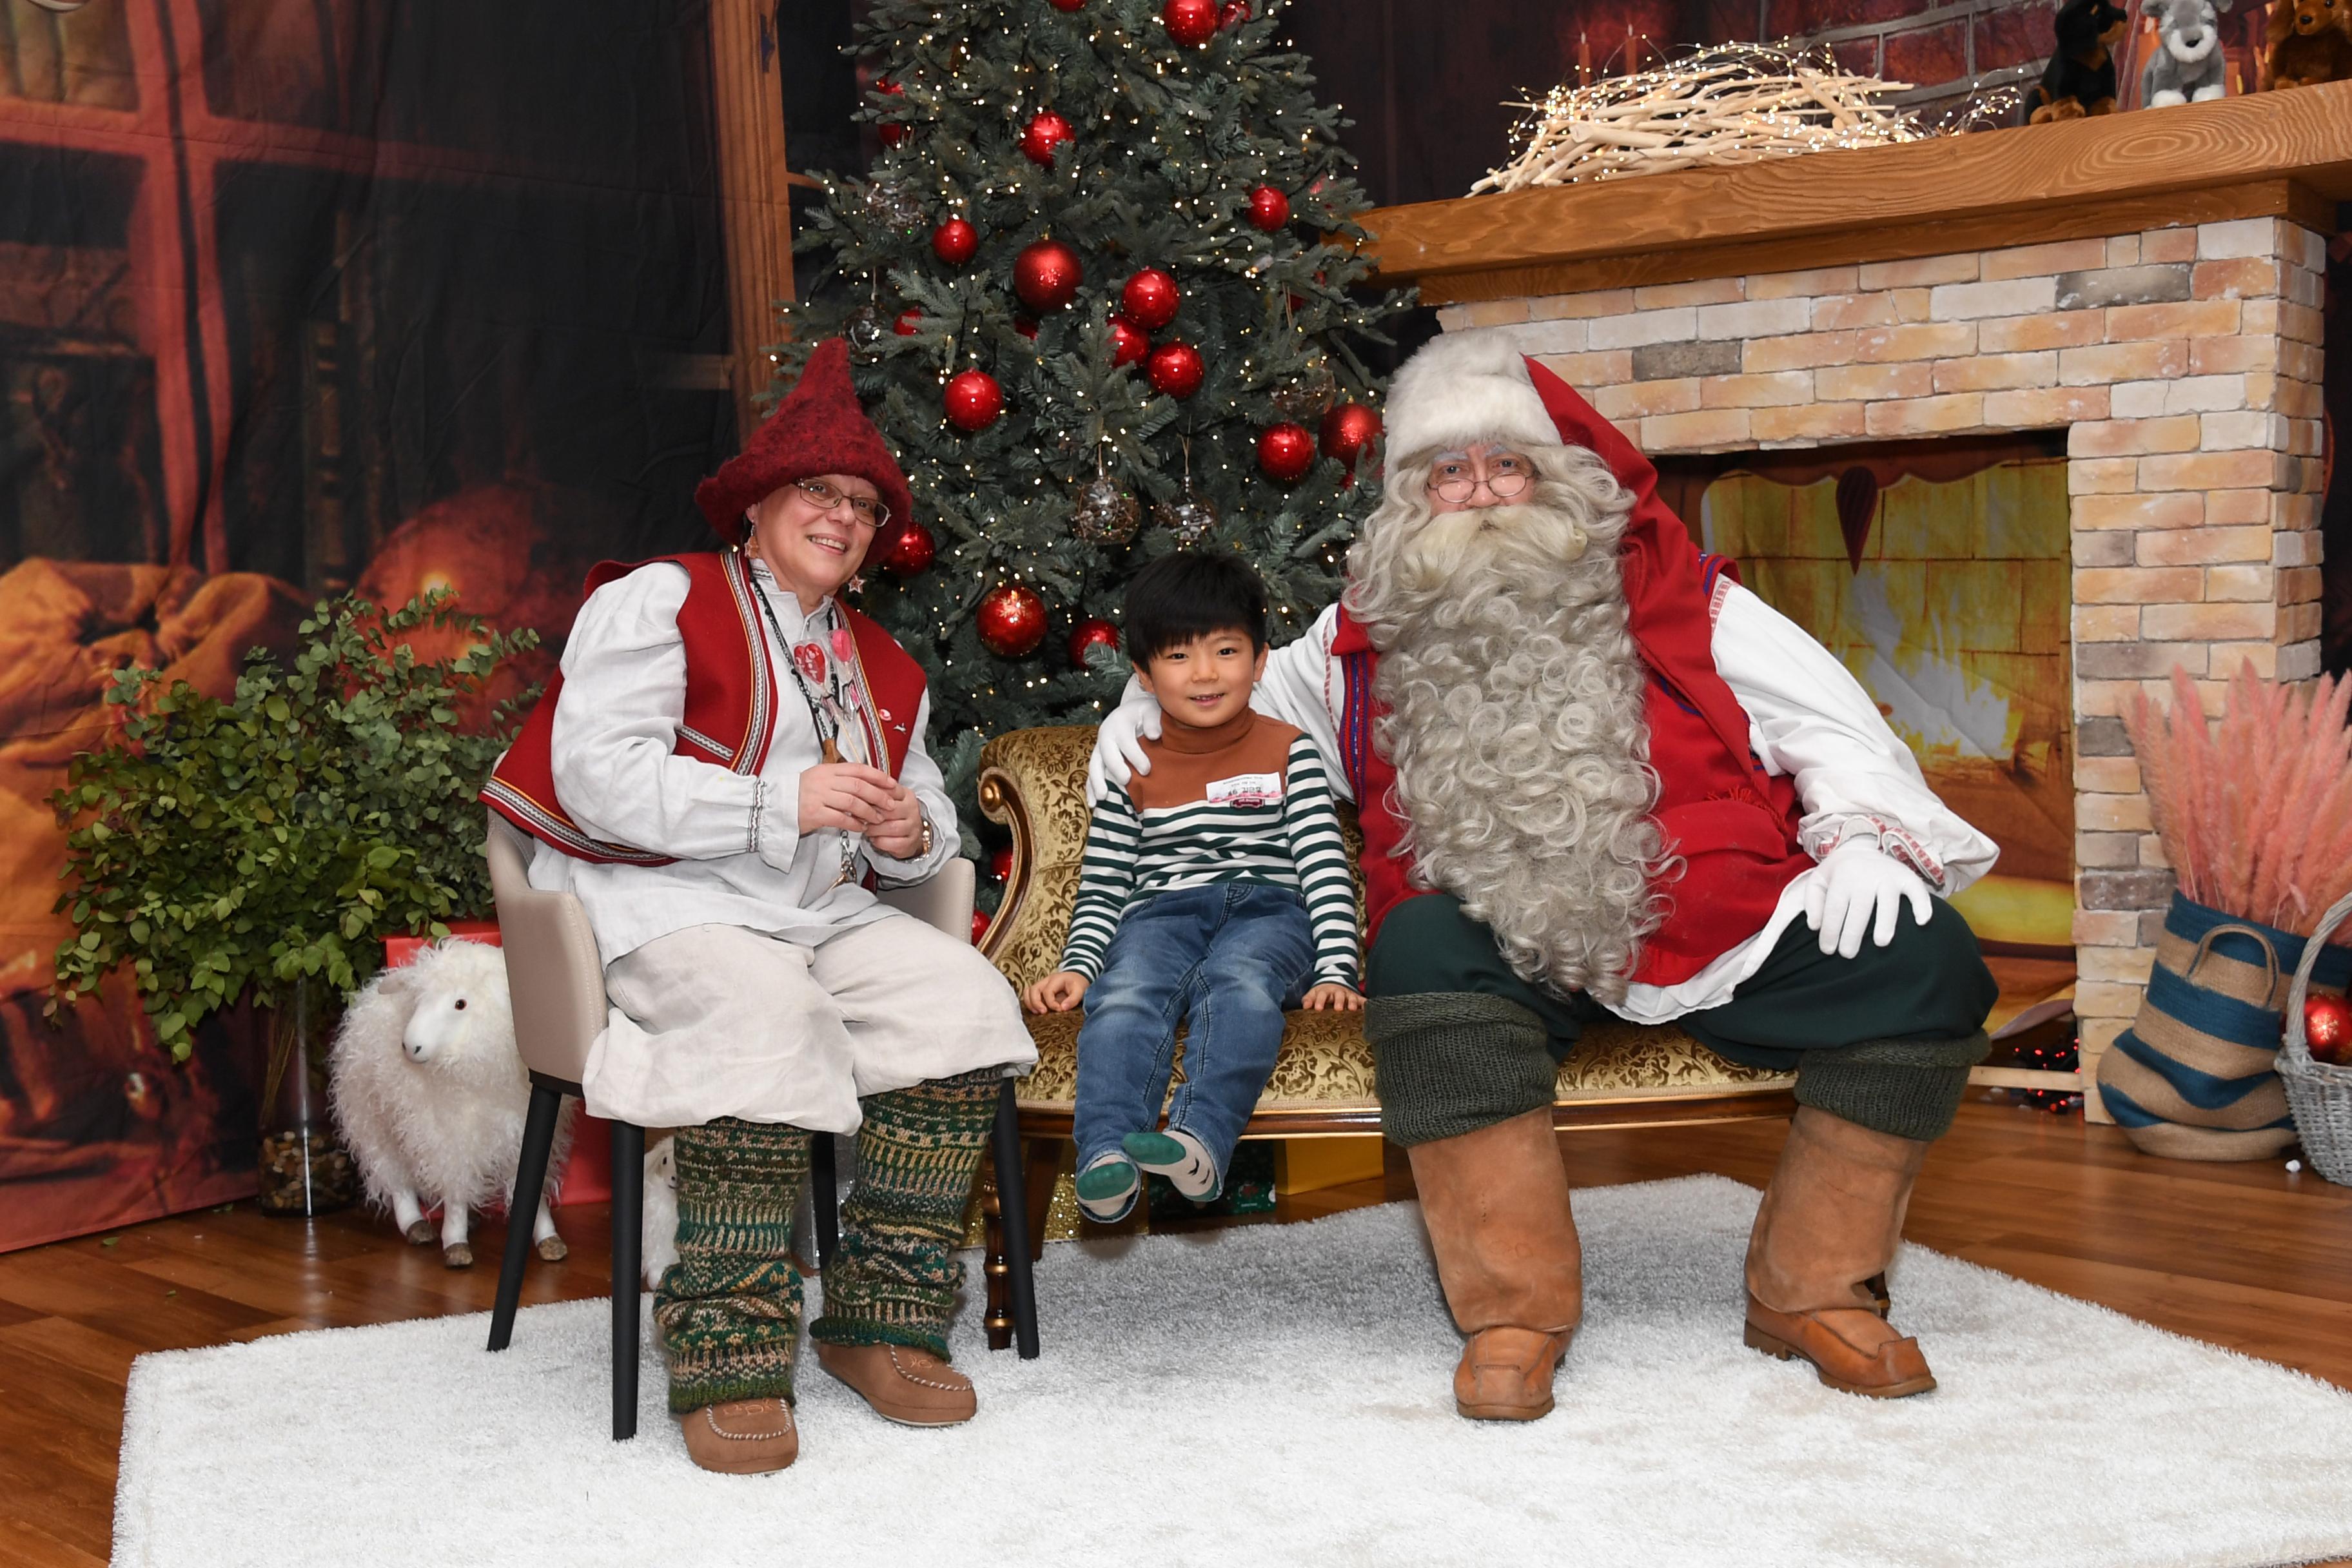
x: 1514, y: 713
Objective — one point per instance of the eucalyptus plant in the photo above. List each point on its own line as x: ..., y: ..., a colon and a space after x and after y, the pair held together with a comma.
x: 219, y: 849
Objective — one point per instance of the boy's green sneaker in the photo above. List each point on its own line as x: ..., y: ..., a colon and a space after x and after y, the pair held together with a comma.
x: 1177, y: 1155
x: 1106, y: 1189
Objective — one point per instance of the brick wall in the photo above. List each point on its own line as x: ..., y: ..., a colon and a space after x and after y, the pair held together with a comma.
x: 2184, y: 364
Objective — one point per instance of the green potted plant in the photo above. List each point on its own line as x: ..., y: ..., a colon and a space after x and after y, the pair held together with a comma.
x: 260, y: 848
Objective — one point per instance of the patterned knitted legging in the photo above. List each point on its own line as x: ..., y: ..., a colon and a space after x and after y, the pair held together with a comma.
x: 728, y: 1310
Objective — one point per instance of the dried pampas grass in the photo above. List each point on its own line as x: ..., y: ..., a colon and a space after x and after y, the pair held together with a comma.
x: 2255, y: 812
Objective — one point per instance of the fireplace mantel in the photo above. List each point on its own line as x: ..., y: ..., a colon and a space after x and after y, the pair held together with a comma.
x: 2273, y: 155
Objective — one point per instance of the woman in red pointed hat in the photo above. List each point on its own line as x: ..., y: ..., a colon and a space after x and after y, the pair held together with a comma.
x: 730, y: 758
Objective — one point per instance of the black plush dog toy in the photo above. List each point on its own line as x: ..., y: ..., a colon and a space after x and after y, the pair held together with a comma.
x: 2081, y: 77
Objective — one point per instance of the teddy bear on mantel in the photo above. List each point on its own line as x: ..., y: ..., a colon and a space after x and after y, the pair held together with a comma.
x: 2310, y: 42
x: 2187, y: 67
x: 2080, y: 79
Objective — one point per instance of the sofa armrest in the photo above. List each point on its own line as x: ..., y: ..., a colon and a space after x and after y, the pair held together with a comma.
x: 1033, y: 782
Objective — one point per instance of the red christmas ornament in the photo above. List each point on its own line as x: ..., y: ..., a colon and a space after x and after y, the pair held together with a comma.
x: 1066, y: 5
x: 1190, y: 23
x: 1270, y: 209
x: 1000, y: 863
x: 974, y: 400
x: 1012, y: 620
x: 907, y: 552
x: 1233, y: 14
x: 955, y: 242
x: 979, y: 919
x: 1285, y: 452
x: 1092, y: 633
x: 1126, y: 344
x: 1027, y: 326
x: 1175, y: 369
x: 1046, y: 132
x: 2328, y: 1029
x: 1347, y: 429
x: 1046, y: 275
x: 892, y: 131
x: 1149, y: 299
x: 909, y: 323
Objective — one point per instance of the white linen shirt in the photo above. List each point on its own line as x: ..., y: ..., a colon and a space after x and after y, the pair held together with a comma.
x: 1807, y: 718
x: 741, y: 857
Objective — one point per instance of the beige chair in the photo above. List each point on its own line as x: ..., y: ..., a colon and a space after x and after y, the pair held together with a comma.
x: 557, y: 979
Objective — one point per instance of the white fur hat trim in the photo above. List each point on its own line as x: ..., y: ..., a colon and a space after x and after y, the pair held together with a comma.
x: 1462, y: 386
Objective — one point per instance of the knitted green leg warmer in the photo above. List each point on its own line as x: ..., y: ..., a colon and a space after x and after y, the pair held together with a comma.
x: 727, y: 1311
x: 894, y: 1276
x: 1908, y: 1087
x: 1450, y: 1062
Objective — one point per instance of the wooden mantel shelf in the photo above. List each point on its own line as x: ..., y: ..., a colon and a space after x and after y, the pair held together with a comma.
x: 2269, y: 154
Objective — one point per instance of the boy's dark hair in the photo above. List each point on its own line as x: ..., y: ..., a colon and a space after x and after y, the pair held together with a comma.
x: 1190, y: 594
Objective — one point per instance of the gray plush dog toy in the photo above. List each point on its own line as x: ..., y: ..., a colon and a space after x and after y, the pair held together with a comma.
x: 2187, y: 68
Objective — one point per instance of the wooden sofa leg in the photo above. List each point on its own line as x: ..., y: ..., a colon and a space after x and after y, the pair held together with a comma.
x: 1044, y: 1157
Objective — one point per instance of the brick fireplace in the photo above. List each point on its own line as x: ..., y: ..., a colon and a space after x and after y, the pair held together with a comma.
x: 2172, y: 340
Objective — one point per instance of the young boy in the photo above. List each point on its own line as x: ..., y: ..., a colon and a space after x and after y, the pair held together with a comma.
x: 1214, y: 886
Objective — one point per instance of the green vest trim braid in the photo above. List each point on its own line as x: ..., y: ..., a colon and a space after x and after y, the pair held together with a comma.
x: 730, y: 702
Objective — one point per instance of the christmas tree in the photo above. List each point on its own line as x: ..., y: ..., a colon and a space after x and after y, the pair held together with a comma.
x: 1097, y: 291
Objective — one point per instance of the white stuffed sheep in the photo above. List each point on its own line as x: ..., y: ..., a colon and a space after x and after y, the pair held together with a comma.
x: 431, y: 1095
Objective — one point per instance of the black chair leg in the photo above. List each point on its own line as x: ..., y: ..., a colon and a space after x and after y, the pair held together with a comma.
x: 824, y: 1198
x: 530, y: 1175
x: 1012, y: 1204
x: 628, y: 1224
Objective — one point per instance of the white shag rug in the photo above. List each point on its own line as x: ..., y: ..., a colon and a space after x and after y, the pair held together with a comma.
x: 1278, y: 1395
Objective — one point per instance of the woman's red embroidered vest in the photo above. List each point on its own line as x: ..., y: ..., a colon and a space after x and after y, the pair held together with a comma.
x: 1733, y: 825
x: 730, y: 702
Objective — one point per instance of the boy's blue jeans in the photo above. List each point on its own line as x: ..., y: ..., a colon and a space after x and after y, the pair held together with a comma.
x: 1230, y: 956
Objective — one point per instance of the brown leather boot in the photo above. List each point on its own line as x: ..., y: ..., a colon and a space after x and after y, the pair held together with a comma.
x: 1829, y: 1225
x: 912, y: 1387
x: 742, y: 1437
x: 1495, y: 1201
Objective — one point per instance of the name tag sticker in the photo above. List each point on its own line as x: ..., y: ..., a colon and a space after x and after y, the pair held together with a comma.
x: 1247, y: 789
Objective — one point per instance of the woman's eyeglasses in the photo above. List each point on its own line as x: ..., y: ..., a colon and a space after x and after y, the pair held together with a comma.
x: 1509, y: 474
x: 868, y: 510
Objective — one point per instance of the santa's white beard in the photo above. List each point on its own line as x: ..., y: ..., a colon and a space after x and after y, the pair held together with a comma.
x: 1514, y: 697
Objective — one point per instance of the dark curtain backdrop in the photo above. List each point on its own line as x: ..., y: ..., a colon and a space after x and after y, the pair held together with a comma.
x: 298, y: 295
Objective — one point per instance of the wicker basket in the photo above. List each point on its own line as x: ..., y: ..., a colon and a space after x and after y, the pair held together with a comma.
x: 2319, y: 1095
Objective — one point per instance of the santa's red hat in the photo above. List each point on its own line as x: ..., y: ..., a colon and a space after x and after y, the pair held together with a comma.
x: 818, y: 429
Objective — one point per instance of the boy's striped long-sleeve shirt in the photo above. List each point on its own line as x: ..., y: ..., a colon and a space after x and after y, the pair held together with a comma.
x: 1248, y: 801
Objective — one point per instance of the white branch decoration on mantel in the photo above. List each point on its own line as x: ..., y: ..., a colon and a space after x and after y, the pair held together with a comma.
x: 1736, y: 103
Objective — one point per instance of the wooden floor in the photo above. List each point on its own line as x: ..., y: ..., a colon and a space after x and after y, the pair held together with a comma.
x: 2249, y: 1257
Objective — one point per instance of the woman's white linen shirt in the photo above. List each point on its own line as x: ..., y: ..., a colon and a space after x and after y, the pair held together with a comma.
x: 741, y: 858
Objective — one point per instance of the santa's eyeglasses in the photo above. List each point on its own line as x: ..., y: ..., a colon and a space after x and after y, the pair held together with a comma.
x: 1507, y: 475
x: 867, y: 510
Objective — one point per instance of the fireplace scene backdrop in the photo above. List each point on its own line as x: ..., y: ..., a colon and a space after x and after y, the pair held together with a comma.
x: 301, y: 295
x: 1938, y: 573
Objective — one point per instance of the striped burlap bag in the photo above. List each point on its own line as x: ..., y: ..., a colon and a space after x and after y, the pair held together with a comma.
x: 2193, y: 1078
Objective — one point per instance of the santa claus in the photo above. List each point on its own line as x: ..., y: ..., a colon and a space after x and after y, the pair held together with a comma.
x: 1595, y: 774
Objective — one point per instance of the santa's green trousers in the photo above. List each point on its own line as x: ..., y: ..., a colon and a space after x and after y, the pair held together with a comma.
x: 1884, y: 1039
x: 727, y: 1311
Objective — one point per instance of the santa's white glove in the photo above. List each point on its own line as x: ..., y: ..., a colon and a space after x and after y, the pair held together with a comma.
x: 1118, y: 745
x: 1859, y: 887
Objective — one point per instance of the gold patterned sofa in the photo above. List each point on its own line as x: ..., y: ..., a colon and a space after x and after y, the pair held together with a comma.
x: 1033, y: 781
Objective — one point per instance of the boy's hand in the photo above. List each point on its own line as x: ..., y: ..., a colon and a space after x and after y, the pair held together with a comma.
x: 1057, y: 992
x: 1331, y: 994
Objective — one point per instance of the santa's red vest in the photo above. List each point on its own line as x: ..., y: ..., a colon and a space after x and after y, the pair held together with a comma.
x: 1732, y: 825
x: 730, y: 702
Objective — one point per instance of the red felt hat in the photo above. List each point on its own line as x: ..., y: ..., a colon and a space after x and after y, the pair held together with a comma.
x: 818, y: 429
